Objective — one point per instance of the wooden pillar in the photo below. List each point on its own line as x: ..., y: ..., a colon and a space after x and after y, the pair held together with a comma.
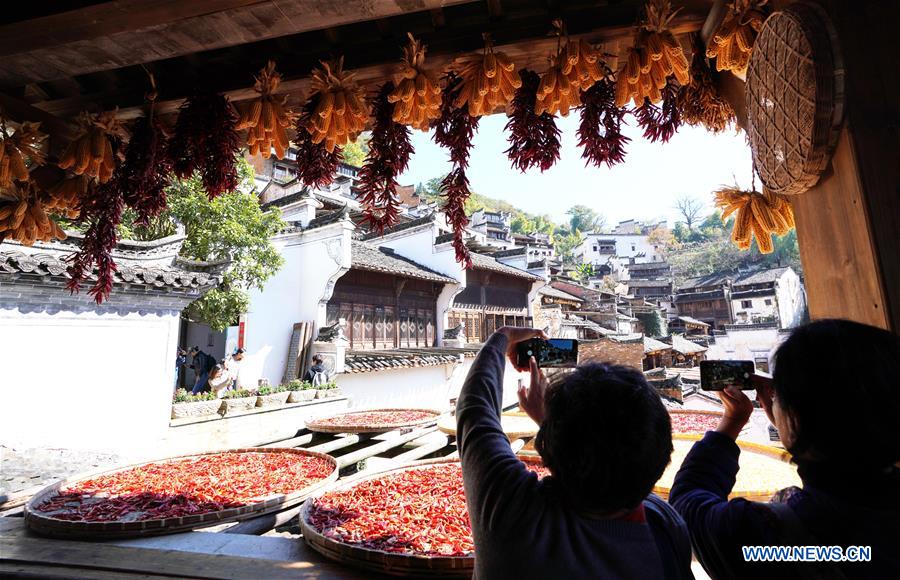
x: 848, y: 225
x: 399, y: 283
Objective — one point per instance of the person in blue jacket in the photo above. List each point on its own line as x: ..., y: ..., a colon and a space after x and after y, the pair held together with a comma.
x: 605, y: 437
x: 835, y: 399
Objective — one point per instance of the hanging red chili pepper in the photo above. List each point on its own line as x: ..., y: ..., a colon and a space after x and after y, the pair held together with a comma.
x: 600, y: 132
x: 533, y: 139
x: 660, y: 122
x: 389, y: 152
x: 146, y: 170
x: 454, y: 131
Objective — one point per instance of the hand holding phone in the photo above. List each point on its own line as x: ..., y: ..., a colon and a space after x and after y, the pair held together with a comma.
x: 715, y: 375
x: 548, y: 353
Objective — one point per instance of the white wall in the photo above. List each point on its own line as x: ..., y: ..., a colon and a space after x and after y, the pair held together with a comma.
x: 757, y: 309
x: 313, y: 261
x: 427, y: 387
x: 749, y: 344
x: 791, y: 297
x: 627, y: 246
x: 99, y: 382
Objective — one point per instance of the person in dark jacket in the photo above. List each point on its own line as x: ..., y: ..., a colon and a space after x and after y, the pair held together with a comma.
x: 202, y: 363
x: 606, y: 439
x: 835, y: 399
x: 317, y: 374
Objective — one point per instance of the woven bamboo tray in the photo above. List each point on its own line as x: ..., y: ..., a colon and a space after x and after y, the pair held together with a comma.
x: 514, y: 425
x: 49, y: 526
x: 388, y: 562
x: 764, y: 492
x: 318, y: 425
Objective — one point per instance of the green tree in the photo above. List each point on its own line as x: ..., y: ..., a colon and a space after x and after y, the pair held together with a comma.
x: 584, y: 219
x: 355, y: 152
x: 231, y: 227
x: 566, y: 244
x: 653, y: 323
x: 584, y: 272
x: 522, y: 225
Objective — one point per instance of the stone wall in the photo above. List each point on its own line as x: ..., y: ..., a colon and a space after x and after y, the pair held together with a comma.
x: 621, y: 352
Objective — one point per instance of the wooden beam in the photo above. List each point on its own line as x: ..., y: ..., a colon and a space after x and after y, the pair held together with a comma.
x: 128, y: 32
x: 529, y: 52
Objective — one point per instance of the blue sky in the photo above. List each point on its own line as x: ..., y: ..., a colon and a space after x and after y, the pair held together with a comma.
x: 645, y: 186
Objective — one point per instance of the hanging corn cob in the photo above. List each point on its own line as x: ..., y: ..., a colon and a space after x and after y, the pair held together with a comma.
x: 267, y: 117
x: 732, y: 43
x: 18, y: 150
x: 23, y: 216
x: 757, y: 215
x: 489, y: 81
x: 64, y: 197
x: 655, y: 55
x: 699, y: 100
x: 583, y: 64
x: 92, y: 153
x: 417, y: 96
x: 341, y: 112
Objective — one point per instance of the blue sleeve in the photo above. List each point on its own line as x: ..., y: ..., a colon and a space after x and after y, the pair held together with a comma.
x: 718, y: 527
x: 494, y: 477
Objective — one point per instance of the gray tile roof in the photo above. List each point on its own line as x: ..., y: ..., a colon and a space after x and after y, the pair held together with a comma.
x: 510, y: 252
x: 403, y: 225
x: 761, y: 276
x: 653, y: 345
x: 482, y: 262
x: 555, y: 293
x: 647, y: 283
x: 364, y: 361
x: 364, y: 256
x: 702, y: 281
x: 691, y: 320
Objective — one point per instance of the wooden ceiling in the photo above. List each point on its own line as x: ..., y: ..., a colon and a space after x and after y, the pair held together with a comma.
x: 96, y: 55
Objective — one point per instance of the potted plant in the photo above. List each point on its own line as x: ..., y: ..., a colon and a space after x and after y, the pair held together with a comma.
x: 271, y: 396
x: 329, y: 389
x: 240, y: 400
x: 185, y: 405
x: 300, y: 391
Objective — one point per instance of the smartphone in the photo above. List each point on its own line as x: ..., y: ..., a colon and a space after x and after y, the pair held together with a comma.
x: 553, y: 353
x: 715, y: 375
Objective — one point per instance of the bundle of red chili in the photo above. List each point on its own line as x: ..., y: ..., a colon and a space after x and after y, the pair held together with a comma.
x: 376, y: 418
x: 198, y: 485
x: 660, y: 122
x: 419, y: 511
x: 693, y: 422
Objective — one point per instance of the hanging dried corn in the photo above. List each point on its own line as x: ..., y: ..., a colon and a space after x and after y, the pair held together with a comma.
x: 267, y: 117
x: 389, y: 152
x: 23, y: 216
x: 340, y: 113
x: 19, y: 150
x: 454, y: 130
x: 94, y: 152
x: 600, y: 131
x: 64, y: 198
x: 489, y: 81
x: 417, y: 93
x: 316, y: 166
x: 655, y: 56
x: 206, y: 141
x: 556, y: 94
x: 732, y: 43
x: 660, y: 122
x: 533, y: 139
x: 699, y: 101
x: 757, y: 215
x: 583, y: 64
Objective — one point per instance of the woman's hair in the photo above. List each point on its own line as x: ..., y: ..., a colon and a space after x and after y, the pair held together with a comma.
x: 839, y: 384
x: 606, y: 436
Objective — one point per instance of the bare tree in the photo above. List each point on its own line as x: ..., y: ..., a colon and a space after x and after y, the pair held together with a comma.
x: 689, y: 208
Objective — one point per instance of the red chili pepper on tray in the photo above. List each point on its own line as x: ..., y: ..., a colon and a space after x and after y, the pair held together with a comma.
x: 376, y: 418
x: 693, y: 422
x: 198, y: 485
x: 418, y: 512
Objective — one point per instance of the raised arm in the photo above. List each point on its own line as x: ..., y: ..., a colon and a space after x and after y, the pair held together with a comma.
x: 491, y: 471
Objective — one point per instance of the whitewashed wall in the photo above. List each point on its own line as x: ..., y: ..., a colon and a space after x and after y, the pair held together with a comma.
x: 428, y: 387
x: 100, y: 382
x: 791, y: 299
x: 299, y: 292
x: 627, y: 246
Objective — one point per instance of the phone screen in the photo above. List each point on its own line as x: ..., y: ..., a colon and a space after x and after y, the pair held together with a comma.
x: 552, y: 353
x: 715, y: 375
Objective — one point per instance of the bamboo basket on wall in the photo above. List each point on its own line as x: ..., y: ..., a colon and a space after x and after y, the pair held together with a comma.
x: 795, y: 95
x: 47, y: 525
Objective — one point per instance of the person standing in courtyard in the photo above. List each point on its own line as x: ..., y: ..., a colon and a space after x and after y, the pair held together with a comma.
x: 606, y: 438
x: 317, y: 374
x: 202, y: 364
x: 233, y: 365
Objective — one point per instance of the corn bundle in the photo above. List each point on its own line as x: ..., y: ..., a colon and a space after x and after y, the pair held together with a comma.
x: 24, y: 144
x: 23, y: 216
x: 655, y: 56
x: 489, y: 81
x: 341, y: 112
x: 583, y: 64
x: 758, y: 215
x: 732, y: 43
x: 417, y: 96
x: 557, y: 93
x: 91, y: 153
x: 65, y: 197
x: 266, y: 118
x: 699, y: 101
